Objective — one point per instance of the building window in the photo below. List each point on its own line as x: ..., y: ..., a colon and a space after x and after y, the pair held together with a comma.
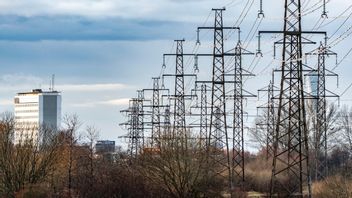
x: 27, y: 111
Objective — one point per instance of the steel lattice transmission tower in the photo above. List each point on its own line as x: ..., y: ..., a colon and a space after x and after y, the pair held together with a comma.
x: 320, y: 110
x: 202, y: 106
x: 291, y: 138
x: 218, y: 146
x: 270, y: 122
x: 179, y: 97
x: 320, y: 135
x: 179, y: 127
x: 133, y: 131
x: 136, y: 139
x: 238, y: 141
x: 218, y: 139
x: 238, y: 161
x: 203, y: 117
x: 167, y: 122
x: 156, y: 133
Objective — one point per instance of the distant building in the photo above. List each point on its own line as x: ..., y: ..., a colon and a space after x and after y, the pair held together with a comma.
x: 33, y: 110
x: 314, y: 84
x: 312, y: 88
x: 105, y: 147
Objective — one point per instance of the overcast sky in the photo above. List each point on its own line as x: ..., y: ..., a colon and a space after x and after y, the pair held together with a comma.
x: 101, y: 51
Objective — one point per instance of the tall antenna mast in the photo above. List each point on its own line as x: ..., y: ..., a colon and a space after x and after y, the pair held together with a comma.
x: 52, y: 82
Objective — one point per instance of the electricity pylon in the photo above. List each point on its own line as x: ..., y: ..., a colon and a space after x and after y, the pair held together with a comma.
x: 291, y: 137
x: 135, y: 125
x: 155, y: 113
x: 320, y: 95
x: 238, y: 158
x: 269, y: 119
x: 218, y: 145
x: 179, y: 106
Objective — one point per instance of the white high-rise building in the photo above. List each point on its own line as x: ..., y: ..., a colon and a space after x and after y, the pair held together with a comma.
x: 32, y: 111
x: 312, y: 88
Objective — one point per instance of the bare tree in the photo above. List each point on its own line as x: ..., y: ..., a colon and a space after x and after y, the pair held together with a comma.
x: 92, y: 135
x: 85, y: 177
x: 318, y: 131
x: 29, y: 162
x: 316, y: 137
x: 179, y: 167
x: 258, y: 134
x: 345, y: 125
x: 72, y: 124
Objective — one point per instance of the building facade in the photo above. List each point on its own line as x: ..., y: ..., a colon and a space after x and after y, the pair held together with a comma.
x: 34, y: 110
x: 105, y: 146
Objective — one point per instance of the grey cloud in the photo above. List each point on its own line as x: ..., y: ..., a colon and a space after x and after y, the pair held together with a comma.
x: 79, y: 28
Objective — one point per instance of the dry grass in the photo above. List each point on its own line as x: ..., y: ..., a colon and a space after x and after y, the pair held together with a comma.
x: 258, y: 175
x: 335, y: 186
x: 255, y: 195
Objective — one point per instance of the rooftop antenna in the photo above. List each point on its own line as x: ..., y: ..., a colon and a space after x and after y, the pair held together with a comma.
x: 52, y: 83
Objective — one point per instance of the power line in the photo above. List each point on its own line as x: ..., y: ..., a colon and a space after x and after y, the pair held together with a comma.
x: 339, y: 16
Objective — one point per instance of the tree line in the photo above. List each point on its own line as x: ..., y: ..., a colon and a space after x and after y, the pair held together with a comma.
x: 66, y: 164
